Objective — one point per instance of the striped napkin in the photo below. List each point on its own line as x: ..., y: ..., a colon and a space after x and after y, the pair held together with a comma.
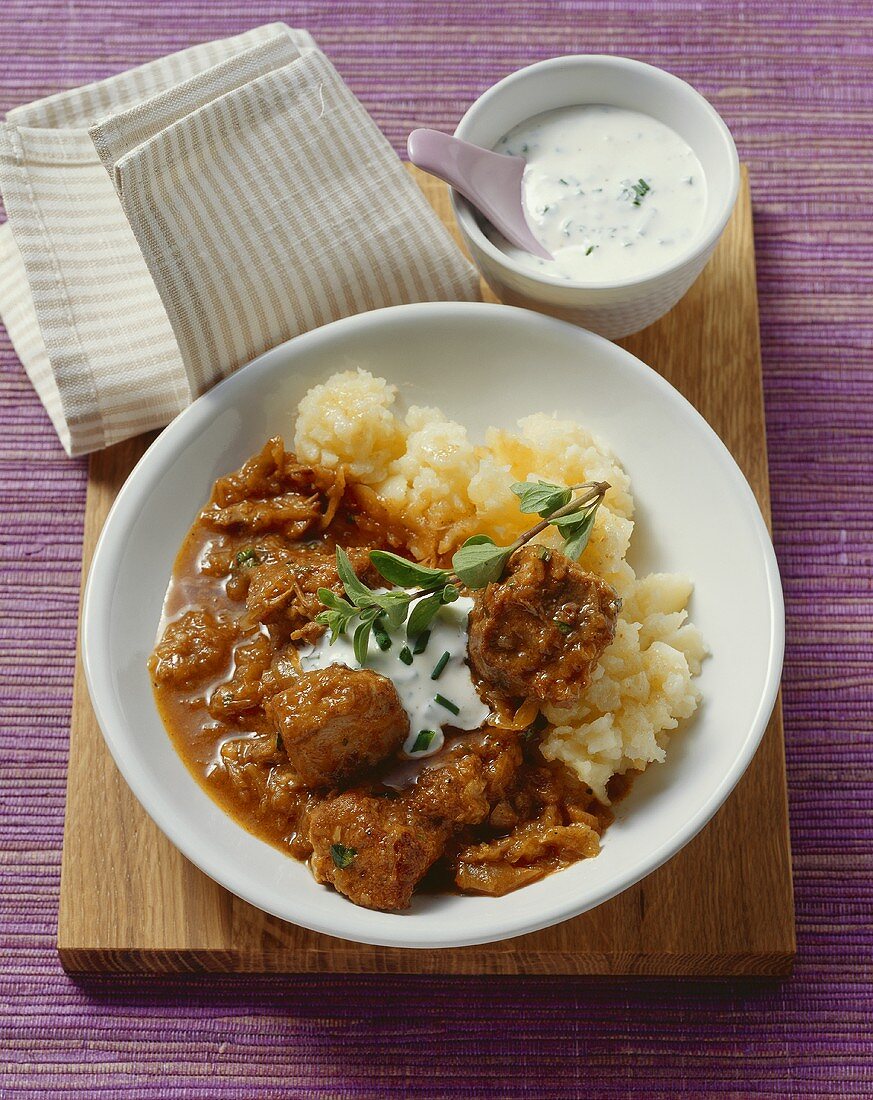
x: 171, y: 223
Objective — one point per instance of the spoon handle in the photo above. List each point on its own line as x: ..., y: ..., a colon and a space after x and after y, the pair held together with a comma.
x: 490, y: 181
x: 458, y: 163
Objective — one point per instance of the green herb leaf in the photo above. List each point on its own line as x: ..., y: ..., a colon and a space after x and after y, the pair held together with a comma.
x: 577, y: 539
x: 449, y: 594
x: 421, y: 642
x: 568, y: 524
x: 395, y: 605
x: 247, y: 557
x: 338, y: 615
x: 330, y: 599
x: 422, y: 614
x: 541, y: 497
x: 334, y: 621
x: 565, y: 628
x: 479, y: 561
x: 406, y: 574
x: 342, y: 856
x: 355, y: 588
x: 361, y: 640
x: 423, y: 741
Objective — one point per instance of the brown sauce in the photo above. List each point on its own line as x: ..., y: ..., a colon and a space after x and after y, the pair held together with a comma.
x: 486, y: 815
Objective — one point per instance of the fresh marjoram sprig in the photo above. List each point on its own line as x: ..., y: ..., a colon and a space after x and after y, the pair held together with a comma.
x: 476, y: 564
x: 374, y: 611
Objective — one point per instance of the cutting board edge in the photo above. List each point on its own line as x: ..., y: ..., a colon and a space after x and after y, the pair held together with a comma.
x: 90, y: 962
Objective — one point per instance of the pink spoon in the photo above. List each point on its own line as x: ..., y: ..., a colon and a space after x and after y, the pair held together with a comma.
x: 490, y: 181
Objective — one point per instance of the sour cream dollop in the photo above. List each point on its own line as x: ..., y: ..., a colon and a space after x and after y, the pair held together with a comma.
x: 424, y: 698
x: 610, y: 193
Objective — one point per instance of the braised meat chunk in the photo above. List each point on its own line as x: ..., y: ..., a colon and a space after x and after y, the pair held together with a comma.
x: 287, y: 589
x: 243, y: 691
x: 193, y: 649
x: 256, y: 773
x: 285, y: 511
x: 530, y: 852
x: 554, y: 820
x: 272, y: 492
x: 375, y: 850
x: 335, y: 722
x: 471, y: 777
x: 539, y: 631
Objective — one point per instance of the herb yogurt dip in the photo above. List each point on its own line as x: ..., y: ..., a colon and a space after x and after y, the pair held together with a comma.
x: 610, y: 193
x: 432, y: 677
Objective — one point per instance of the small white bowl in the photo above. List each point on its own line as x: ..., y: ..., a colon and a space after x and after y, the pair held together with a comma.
x: 483, y: 365
x: 620, y: 307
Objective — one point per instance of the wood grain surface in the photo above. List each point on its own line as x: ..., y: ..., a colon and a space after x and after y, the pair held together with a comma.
x: 130, y: 902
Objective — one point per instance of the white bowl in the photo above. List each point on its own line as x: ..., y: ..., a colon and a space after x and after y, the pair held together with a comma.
x: 483, y: 365
x: 620, y: 307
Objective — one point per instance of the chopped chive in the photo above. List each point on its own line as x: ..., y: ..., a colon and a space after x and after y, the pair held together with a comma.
x: 405, y: 656
x: 342, y: 856
x: 636, y: 191
x: 640, y: 190
x: 447, y: 703
x: 421, y: 642
x: 247, y: 557
x: 423, y: 740
x: 440, y: 665
x: 383, y: 641
x: 589, y: 249
x: 565, y: 628
x: 564, y: 183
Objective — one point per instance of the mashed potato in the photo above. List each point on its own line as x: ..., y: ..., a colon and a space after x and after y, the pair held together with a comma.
x: 446, y: 488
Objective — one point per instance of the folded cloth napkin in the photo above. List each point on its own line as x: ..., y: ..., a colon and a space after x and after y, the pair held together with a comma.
x: 170, y: 223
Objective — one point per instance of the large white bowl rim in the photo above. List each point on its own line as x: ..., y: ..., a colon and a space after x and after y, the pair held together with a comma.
x: 134, y: 537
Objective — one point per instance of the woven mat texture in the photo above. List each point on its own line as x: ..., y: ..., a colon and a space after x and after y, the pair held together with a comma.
x: 793, y: 82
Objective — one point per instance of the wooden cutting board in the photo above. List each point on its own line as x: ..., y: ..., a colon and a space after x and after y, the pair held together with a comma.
x: 723, y: 906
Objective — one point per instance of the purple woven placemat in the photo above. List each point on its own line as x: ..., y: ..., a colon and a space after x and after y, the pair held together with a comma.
x: 793, y: 82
